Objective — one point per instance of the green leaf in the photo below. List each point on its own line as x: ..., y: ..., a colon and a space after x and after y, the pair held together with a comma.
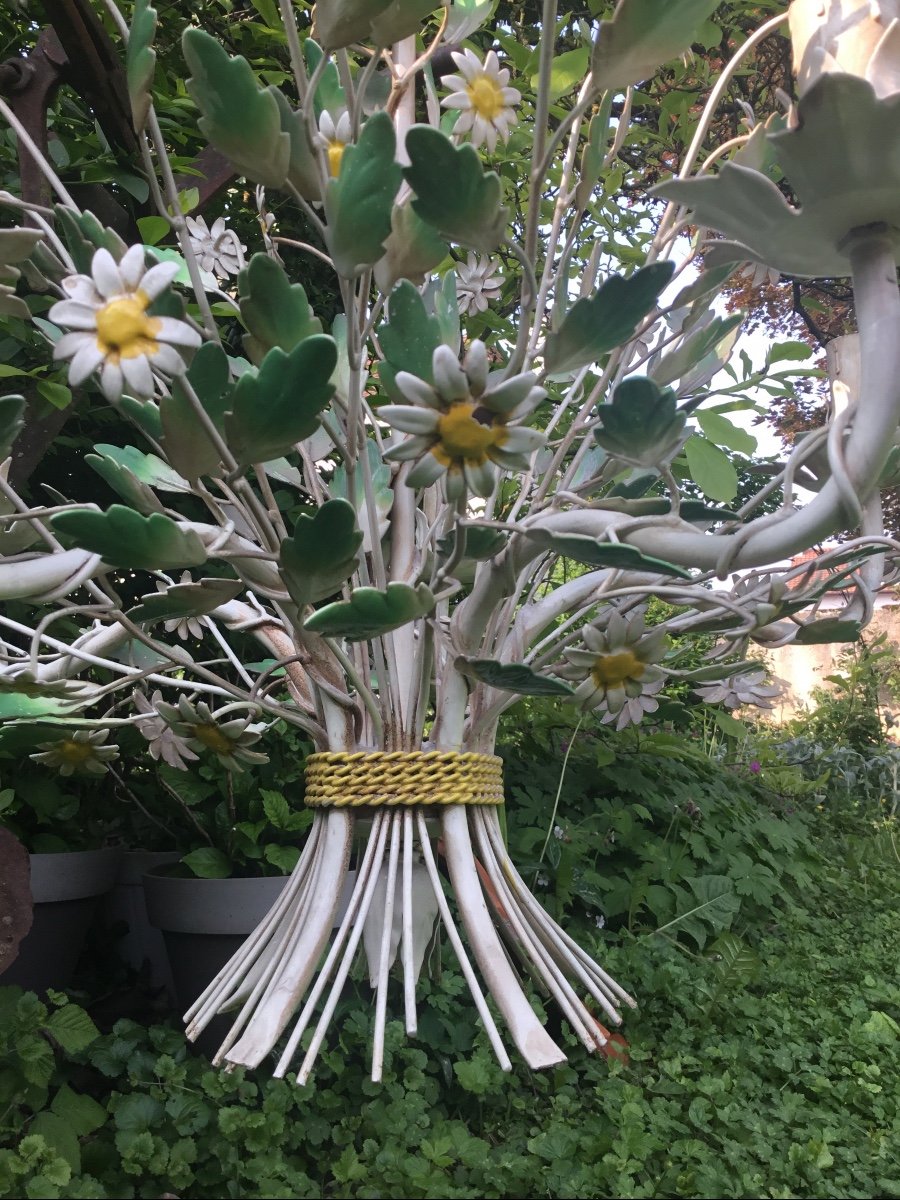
x: 641, y: 426
x: 469, y: 210
x: 722, y: 432
x: 275, y: 311
x: 280, y: 814
x: 208, y: 863
x: 788, y: 351
x: 126, y: 539
x: 615, y: 555
x: 240, y: 118
x: 830, y: 630
x: 512, y: 677
x: 642, y: 35
x: 358, y: 203
x: 137, y: 1112
x: 329, y: 94
x: 322, y: 553
x: 595, y: 325
x: 12, y: 418
x: 369, y: 612
x: 17, y: 704
x: 140, y: 60
x: 568, y: 72
x: 60, y: 1138
x: 153, y: 229
x: 188, y: 446
x: 82, y: 1113
x: 465, y: 17
x: 185, y: 600
x: 56, y: 394
x: 283, y: 857
x: 711, y: 469
x: 132, y: 473
x: 279, y: 404
x: 730, y: 725
x: 72, y: 1028
x: 412, y: 249
x: 410, y: 336
x: 694, y: 348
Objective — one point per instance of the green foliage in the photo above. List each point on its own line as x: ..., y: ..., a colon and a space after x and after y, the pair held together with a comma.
x: 470, y: 211
x: 604, y: 554
x: 358, y: 203
x: 275, y: 311
x: 126, y: 539
x: 322, y: 553
x: 140, y: 60
x: 370, y: 612
x: 851, y: 713
x: 641, y: 36
x: 512, y: 677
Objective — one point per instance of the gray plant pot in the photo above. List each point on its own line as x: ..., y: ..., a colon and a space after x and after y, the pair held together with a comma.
x: 141, y: 946
x: 65, y: 888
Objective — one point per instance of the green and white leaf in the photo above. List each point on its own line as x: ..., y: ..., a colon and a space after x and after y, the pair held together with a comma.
x: 512, y: 677
x: 370, y: 613
x: 322, y: 553
x: 124, y: 538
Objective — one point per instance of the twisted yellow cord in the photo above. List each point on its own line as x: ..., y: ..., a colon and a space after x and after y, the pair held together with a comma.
x: 340, y: 779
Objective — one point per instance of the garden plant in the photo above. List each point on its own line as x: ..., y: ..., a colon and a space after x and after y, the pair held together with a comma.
x: 426, y: 513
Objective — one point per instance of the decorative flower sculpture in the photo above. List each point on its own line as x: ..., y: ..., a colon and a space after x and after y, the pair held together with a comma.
x: 464, y: 424
x: 164, y: 743
x: 218, y: 249
x: 334, y: 137
x: 621, y: 676
x: 111, y: 328
x: 747, y: 687
x: 477, y: 283
x: 82, y: 752
x: 482, y: 95
x: 198, y: 725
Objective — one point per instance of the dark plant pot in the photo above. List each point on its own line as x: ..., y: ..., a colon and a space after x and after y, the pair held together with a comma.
x: 203, y: 922
x: 65, y: 888
x: 141, y: 946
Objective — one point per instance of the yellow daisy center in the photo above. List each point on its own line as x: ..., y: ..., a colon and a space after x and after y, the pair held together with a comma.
x: 610, y: 670
x: 124, y: 329
x: 75, y: 754
x: 486, y: 95
x: 335, y: 154
x: 213, y: 738
x: 464, y: 436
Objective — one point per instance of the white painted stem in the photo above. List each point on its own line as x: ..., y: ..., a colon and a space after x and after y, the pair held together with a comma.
x: 407, y: 948
x: 385, y: 955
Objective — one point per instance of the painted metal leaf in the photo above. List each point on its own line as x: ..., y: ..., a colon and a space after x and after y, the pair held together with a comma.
x: 124, y: 538
x: 453, y: 191
x: 132, y: 474
x: 279, y: 404
x: 275, y: 311
x: 187, y: 444
x: 370, y: 613
x: 358, y: 203
x: 641, y: 425
x: 12, y: 418
x: 322, y: 553
x: 597, y: 324
x: 303, y: 167
x: 382, y: 494
x: 140, y: 60
x: 831, y: 630
x: 410, y: 336
x: 512, y: 677
x: 240, y: 118
x: 642, y: 35
x: 481, y: 543
x: 185, y: 600
x: 693, y: 348
x: 412, y: 249
x: 338, y: 23
x: 615, y: 555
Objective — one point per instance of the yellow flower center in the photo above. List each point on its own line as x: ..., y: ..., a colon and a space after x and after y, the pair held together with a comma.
x: 213, y: 738
x: 75, y: 754
x: 124, y: 330
x: 610, y: 670
x: 486, y: 95
x: 466, y: 436
x: 335, y: 154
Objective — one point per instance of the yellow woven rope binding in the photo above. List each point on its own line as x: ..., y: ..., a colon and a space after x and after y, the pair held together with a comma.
x: 343, y: 779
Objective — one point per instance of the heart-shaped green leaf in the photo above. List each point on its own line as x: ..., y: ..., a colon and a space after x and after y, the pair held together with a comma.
x: 279, y: 404
x: 642, y: 35
x: 140, y: 60
x: 616, y: 555
x: 641, y: 425
x: 322, y: 552
x: 358, y: 203
x: 453, y: 191
x: 512, y: 677
x: 369, y: 612
x: 126, y: 539
x: 711, y: 469
x: 185, y: 600
x: 12, y: 418
x: 410, y: 336
x: 275, y: 311
x: 240, y: 118
x: 595, y: 325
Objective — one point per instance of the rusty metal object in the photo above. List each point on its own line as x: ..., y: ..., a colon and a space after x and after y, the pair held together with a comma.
x: 16, y: 906
x: 30, y: 84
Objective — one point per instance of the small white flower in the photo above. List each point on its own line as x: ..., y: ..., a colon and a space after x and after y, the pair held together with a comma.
x: 334, y: 137
x: 559, y: 833
x: 217, y: 248
x: 476, y: 284
x: 600, y: 921
x: 757, y: 274
x: 742, y: 688
x: 543, y: 881
x: 182, y: 627
x: 485, y: 100
x: 112, y: 330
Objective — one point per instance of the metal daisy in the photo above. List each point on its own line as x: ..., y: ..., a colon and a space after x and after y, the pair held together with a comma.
x: 742, y: 688
x: 464, y: 425
x: 82, y: 752
x: 477, y: 284
x: 111, y: 328
x: 198, y: 725
x: 334, y: 136
x: 218, y: 249
x: 482, y: 95
x: 617, y: 669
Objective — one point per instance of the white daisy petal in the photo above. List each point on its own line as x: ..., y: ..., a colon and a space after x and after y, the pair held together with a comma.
x: 457, y: 100
x: 426, y: 471
x: 518, y: 440
x: 476, y: 367
x: 157, y: 279
x: 177, y: 333
x: 167, y: 359
x: 106, y: 275
x: 408, y: 449
x: 111, y: 380
x: 137, y: 374
x: 465, y: 121
x: 449, y: 377
x: 85, y: 362
x: 73, y: 315
x: 409, y: 419
x: 131, y: 267
x: 480, y: 477
x: 417, y: 390
x: 70, y: 343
